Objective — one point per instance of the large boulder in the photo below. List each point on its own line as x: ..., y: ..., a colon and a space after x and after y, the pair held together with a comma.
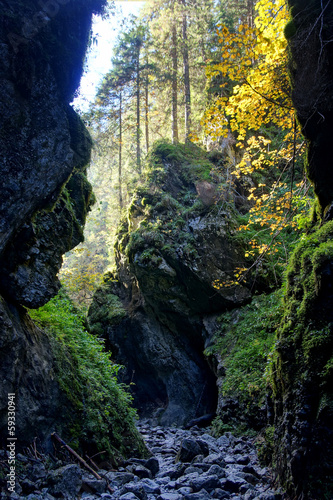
x: 157, y: 313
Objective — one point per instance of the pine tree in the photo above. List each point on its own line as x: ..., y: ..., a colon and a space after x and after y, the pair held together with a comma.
x: 128, y: 65
x: 187, y: 87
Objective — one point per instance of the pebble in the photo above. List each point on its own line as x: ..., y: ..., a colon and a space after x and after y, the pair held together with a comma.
x: 185, y: 465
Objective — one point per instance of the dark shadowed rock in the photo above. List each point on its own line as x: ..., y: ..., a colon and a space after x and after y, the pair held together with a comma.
x: 302, y: 374
x: 141, y: 471
x: 232, y: 483
x: 153, y: 465
x: 188, y: 450
x: 45, y: 148
x: 65, y: 482
x: 170, y: 496
x: 45, y: 196
x: 26, y: 365
x: 202, y: 421
x: 201, y: 495
x: 204, y: 448
x: 205, y: 481
x: 129, y: 496
x: 220, y: 494
x: 90, y: 483
x: 136, y: 489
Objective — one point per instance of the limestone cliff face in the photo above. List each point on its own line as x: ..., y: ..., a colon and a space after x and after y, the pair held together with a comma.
x: 302, y: 375
x: 158, y: 311
x: 44, y: 149
x: 43, y: 143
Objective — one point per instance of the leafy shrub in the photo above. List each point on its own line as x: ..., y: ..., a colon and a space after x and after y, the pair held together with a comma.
x: 103, y: 418
x: 244, y: 342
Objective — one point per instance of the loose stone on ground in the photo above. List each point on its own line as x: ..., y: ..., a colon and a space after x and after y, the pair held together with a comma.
x: 185, y: 465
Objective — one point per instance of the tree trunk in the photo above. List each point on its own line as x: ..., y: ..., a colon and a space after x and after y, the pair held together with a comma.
x: 138, y: 151
x: 120, y: 152
x: 250, y: 13
x: 174, y: 57
x: 187, y: 90
x: 147, y: 106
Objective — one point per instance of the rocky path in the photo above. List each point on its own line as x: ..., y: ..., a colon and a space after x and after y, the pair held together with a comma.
x: 185, y: 464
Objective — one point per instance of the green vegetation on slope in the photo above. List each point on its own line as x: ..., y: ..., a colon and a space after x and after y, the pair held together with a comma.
x: 104, y: 418
x: 244, y: 343
x: 302, y: 368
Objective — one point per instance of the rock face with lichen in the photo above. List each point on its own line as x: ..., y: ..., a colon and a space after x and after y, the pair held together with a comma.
x: 45, y: 195
x: 303, y: 366
x: 158, y: 311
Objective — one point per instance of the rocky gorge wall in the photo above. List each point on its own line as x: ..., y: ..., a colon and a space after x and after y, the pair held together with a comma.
x: 302, y: 372
x: 158, y: 310
x: 44, y: 150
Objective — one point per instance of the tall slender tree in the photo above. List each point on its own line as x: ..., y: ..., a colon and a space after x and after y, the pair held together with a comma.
x: 174, y: 76
x: 187, y: 87
x: 110, y: 101
x: 128, y: 54
x: 120, y: 149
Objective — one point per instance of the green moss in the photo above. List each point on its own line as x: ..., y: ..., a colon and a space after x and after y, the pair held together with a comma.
x: 167, y: 151
x: 194, y: 162
x: 167, y: 204
x: 302, y: 368
x: 244, y: 343
x: 81, y: 195
x: 146, y: 238
x: 150, y: 257
x: 100, y: 416
x: 265, y: 445
x: 105, y: 310
x: 289, y: 30
x: 305, y: 269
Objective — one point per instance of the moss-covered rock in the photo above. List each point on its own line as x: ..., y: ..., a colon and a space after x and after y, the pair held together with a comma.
x: 301, y: 375
x: 32, y: 260
x: 106, y: 309
x: 44, y: 143
x: 302, y: 371
x: 176, y: 245
x: 178, y: 239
